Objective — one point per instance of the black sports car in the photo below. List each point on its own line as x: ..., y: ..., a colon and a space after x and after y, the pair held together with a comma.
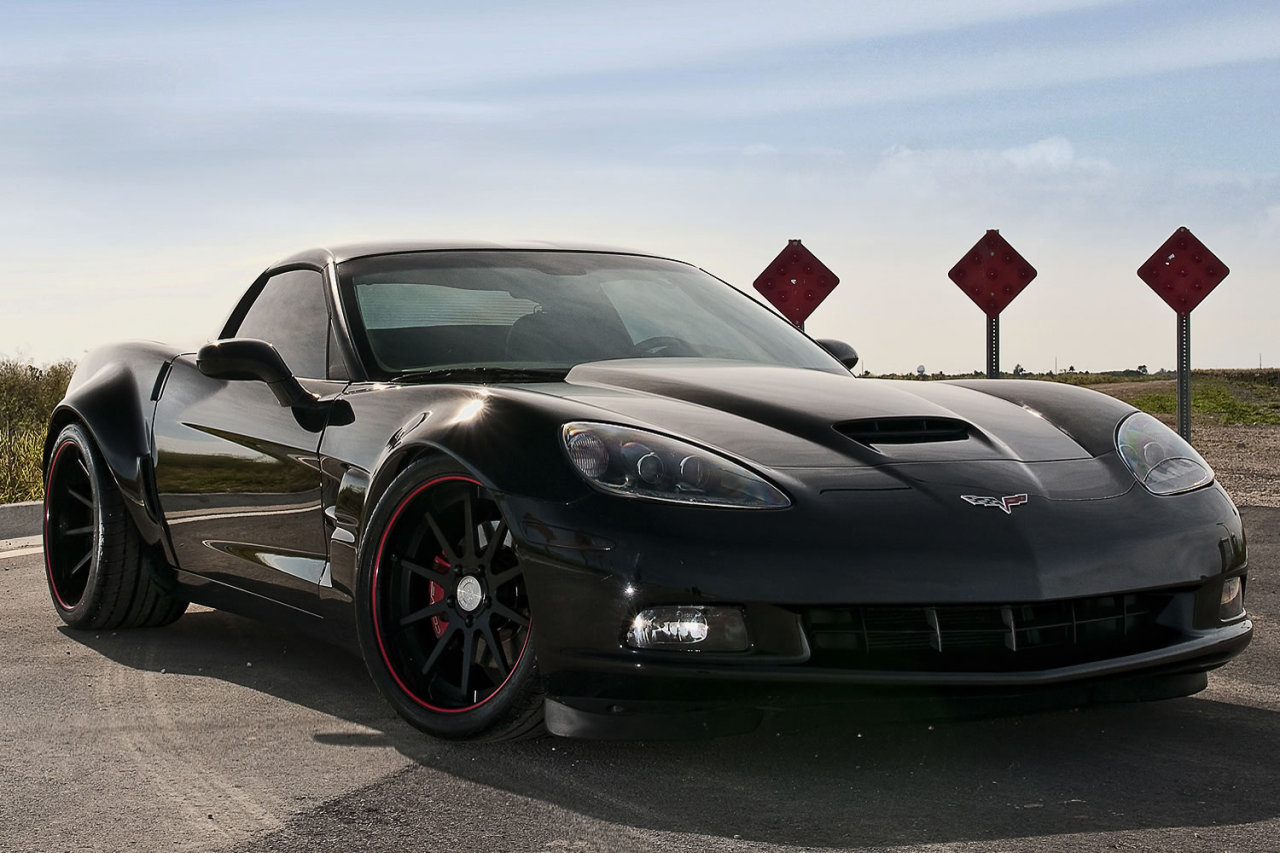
x: 605, y: 492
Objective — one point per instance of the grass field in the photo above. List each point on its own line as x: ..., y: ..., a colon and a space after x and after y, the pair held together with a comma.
x: 27, y: 397
x: 1229, y: 397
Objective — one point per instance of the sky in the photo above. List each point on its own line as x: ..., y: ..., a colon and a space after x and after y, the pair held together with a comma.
x: 156, y: 156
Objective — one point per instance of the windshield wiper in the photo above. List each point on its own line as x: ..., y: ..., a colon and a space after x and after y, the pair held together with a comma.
x: 485, y: 374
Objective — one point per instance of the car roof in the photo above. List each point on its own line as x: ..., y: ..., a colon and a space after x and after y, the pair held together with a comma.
x: 348, y: 251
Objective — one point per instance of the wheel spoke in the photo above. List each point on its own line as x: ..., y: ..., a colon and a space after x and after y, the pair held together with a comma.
x: 76, y: 531
x: 81, y: 498
x: 420, y: 571
x: 445, y: 547
x: 495, y: 542
x: 510, y: 615
x: 84, y: 561
x: 426, y: 612
x: 83, y: 467
x: 434, y: 657
x: 495, y: 650
x: 468, y: 658
x: 502, y: 578
x: 469, y: 529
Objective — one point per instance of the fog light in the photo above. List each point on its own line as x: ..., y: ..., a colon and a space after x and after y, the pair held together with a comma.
x: 1232, y: 602
x: 693, y: 627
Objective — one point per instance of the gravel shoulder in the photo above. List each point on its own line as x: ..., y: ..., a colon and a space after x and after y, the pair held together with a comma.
x: 1246, y: 460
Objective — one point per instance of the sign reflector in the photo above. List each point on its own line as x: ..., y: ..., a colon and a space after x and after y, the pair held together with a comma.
x: 1183, y: 271
x: 992, y: 273
x: 796, y: 282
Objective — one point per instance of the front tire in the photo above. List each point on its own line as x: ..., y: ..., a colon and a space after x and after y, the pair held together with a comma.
x: 99, y: 571
x: 443, y: 612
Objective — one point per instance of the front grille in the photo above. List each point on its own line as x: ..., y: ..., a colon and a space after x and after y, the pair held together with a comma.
x: 904, y: 430
x: 987, y: 638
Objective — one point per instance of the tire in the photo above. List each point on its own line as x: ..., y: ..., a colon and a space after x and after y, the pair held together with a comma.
x: 100, y: 573
x: 442, y: 610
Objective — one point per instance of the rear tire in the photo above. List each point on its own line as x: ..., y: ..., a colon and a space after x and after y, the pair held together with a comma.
x: 100, y: 573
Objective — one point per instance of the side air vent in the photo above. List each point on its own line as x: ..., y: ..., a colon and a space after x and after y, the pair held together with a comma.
x: 904, y: 430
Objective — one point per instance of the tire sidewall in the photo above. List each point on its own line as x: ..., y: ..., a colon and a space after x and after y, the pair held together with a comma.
x: 489, y: 717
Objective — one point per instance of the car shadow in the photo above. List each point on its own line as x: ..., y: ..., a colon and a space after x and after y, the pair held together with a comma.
x: 851, y: 783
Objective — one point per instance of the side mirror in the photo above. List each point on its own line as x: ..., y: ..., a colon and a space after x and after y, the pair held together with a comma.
x: 248, y: 358
x: 845, y: 354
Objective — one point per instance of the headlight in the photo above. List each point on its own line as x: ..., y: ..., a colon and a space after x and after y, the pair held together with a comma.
x: 641, y: 464
x: 1159, y: 458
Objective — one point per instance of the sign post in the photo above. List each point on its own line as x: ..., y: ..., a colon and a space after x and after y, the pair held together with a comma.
x: 1183, y: 272
x: 796, y: 282
x: 992, y: 273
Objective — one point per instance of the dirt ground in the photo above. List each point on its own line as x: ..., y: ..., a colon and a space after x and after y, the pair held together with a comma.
x: 1245, y: 458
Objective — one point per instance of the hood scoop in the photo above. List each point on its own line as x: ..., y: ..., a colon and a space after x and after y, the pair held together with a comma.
x: 908, y: 430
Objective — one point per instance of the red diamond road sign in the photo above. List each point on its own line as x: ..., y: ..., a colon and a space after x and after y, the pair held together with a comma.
x: 796, y: 282
x: 1183, y: 271
x: 992, y: 273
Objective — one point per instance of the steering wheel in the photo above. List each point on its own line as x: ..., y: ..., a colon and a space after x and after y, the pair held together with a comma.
x: 662, y: 345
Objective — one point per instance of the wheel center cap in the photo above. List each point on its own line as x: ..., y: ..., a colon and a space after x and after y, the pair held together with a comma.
x: 470, y: 593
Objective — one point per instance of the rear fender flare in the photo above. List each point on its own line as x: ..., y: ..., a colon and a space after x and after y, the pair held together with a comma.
x: 108, y: 404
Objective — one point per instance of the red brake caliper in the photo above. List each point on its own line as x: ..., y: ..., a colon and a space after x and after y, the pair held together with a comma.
x: 436, y: 593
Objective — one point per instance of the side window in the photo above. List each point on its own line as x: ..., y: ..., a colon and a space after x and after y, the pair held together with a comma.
x: 290, y: 313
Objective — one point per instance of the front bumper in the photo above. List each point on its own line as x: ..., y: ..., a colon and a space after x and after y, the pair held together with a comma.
x: 689, y: 698
x: 1079, y: 600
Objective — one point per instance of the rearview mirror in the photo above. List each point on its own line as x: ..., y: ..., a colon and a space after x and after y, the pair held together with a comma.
x: 845, y: 354
x: 249, y: 358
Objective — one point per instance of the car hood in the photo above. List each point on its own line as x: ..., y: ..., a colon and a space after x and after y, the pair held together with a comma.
x: 787, y: 418
x: 831, y: 432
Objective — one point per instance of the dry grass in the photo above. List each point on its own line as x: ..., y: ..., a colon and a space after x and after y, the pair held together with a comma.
x: 27, y: 397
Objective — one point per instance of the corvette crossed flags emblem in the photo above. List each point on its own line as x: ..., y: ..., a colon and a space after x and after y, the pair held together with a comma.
x: 1006, y: 503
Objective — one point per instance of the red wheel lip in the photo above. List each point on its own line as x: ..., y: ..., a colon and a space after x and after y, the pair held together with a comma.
x: 377, y: 630
x: 48, y: 558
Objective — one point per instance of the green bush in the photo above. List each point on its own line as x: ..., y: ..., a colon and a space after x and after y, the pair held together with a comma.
x: 27, y: 397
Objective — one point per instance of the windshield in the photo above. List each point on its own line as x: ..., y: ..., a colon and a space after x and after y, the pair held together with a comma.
x: 427, y: 311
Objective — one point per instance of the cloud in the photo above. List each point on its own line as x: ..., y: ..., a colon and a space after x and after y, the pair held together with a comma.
x: 1269, y: 222
x: 1054, y: 155
x: 576, y: 63
x: 983, y: 180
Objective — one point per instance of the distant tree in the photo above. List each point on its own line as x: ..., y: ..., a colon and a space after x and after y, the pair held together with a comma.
x: 1142, y: 369
x: 1018, y: 370
x: 1071, y: 368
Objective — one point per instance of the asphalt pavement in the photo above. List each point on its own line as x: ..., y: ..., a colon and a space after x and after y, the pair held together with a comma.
x: 219, y: 733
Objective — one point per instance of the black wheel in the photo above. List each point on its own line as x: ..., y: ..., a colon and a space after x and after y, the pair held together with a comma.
x: 99, y: 571
x: 443, y: 612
